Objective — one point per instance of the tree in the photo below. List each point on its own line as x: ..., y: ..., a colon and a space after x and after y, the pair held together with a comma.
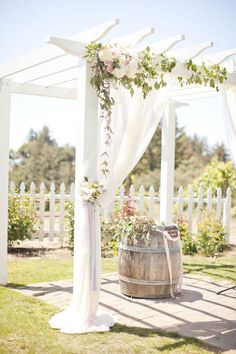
x: 217, y: 174
x: 220, y: 152
x: 40, y: 159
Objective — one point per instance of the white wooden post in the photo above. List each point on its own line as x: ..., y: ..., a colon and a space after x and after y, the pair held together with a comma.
x: 51, y: 212
x: 5, y: 105
x: 87, y: 125
x: 167, y: 164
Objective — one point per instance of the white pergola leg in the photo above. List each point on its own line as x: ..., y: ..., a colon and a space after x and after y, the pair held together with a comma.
x: 167, y: 164
x: 87, y: 124
x: 5, y: 103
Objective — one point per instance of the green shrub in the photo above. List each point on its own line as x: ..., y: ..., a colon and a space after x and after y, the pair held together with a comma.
x: 21, y: 219
x: 211, y: 236
x: 189, y: 246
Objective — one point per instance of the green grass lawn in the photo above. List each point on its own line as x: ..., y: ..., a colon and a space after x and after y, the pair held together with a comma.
x: 24, y: 329
x: 24, y: 320
x: 35, y: 270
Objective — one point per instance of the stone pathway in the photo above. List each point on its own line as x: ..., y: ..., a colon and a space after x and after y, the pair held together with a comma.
x: 197, y: 312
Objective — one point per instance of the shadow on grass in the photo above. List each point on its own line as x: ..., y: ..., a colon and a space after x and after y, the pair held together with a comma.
x: 223, y: 271
x: 181, y: 341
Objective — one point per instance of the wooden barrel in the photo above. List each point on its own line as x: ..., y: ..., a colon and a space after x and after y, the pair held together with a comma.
x: 143, y: 269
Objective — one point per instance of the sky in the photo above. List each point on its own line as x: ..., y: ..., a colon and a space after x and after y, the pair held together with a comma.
x: 25, y: 25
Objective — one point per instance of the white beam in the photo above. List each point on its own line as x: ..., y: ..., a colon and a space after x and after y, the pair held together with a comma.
x: 216, y: 58
x: 69, y: 46
x: 189, y: 52
x: 165, y: 44
x: 5, y: 104
x: 46, y: 54
x: 56, y: 78
x: 168, y: 162
x: 134, y: 38
x: 38, y: 90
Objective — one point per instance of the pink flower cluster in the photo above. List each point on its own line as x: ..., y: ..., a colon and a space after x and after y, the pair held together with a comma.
x: 117, y: 61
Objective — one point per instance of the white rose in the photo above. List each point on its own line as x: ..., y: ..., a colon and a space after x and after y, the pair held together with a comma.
x: 85, y: 190
x: 132, y: 68
x: 120, y: 72
x: 105, y: 55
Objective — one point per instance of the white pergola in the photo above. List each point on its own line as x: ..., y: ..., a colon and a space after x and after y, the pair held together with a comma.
x: 62, y: 73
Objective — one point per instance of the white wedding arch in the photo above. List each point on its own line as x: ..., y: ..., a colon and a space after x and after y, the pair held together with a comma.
x: 62, y: 72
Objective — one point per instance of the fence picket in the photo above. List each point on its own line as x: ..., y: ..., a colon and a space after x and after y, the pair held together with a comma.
x: 190, y: 209
x: 151, y: 201
x: 22, y: 188
x: 227, y: 215
x: 72, y: 192
x: 141, y: 199
x: 199, y: 204
x: 180, y: 202
x: 62, y: 212
x: 209, y: 200
x: 132, y: 195
x: 122, y: 197
x: 12, y: 188
x: 51, y: 212
x: 32, y: 191
x: 219, y: 204
x: 41, y: 211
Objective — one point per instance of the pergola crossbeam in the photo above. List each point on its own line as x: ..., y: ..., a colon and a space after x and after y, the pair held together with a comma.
x: 164, y: 45
x: 190, y: 52
x: 46, y: 54
x: 216, y: 58
x: 38, y: 90
x: 134, y: 38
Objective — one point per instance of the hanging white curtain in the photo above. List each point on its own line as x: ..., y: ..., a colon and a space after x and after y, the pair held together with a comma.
x: 229, y: 113
x: 134, y: 123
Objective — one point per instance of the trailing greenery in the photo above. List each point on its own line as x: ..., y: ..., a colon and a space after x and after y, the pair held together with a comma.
x: 21, y: 219
x: 211, y: 236
x: 113, y: 66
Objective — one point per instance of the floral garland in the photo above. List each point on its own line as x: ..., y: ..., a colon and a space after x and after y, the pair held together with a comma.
x: 90, y: 191
x: 113, y: 66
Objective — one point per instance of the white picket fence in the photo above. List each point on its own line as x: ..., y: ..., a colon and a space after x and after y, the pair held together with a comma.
x: 52, y: 213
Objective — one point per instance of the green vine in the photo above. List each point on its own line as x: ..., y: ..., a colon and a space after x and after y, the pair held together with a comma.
x: 114, y: 66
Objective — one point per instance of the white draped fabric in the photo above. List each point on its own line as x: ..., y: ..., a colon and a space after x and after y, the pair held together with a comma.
x: 134, y: 122
x: 229, y: 112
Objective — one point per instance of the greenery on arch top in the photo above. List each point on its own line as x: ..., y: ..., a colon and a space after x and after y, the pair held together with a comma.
x: 113, y: 65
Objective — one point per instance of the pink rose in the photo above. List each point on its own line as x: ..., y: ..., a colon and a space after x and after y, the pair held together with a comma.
x: 109, y: 68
